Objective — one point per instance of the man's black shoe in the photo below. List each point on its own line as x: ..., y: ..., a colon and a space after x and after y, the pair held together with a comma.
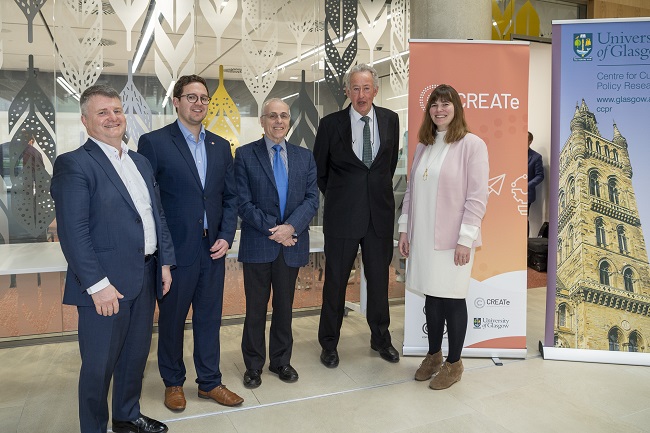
x: 252, y: 378
x: 286, y: 373
x: 143, y: 424
x: 329, y: 358
x: 389, y: 353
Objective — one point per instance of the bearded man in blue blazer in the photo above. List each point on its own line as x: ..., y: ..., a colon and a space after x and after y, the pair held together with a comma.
x: 277, y: 197
x: 194, y: 168
x: 114, y: 237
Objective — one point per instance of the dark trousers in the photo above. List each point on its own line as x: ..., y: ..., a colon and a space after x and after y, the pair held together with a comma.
x: 453, y: 312
x: 201, y: 286
x: 259, y: 278
x: 376, y: 253
x: 115, y: 346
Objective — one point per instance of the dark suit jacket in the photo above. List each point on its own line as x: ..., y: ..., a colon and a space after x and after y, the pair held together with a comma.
x: 183, y: 197
x: 99, y: 227
x: 535, y: 173
x: 353, y: 192
x: 259, y: 205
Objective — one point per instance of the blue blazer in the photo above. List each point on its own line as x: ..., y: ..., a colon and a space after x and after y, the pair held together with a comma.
x: 259, y: 205
x: 183, y: 197
x: 535, y: 173
x: 99, y: 227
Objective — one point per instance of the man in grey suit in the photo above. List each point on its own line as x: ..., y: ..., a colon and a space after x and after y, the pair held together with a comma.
x: 114, y: 236
x: 356, y: 153
x: 277, y: 197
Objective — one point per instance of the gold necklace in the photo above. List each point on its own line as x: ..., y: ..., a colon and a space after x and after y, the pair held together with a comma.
x: 425, y: 175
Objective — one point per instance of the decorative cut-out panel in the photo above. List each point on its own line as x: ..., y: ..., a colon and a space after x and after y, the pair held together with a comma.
x: 171, y: 62
x: 400, y: 31
x: 260, y: 64
x: 30, y: 8
x: 339, y: 23
x: 304, y: 119
x: 138, y: 113
x: 218, y: 14
x: 372, y: 19
x: 31, y: 154
x: 300, y: 19
x: 129, y: 12
x: 78, y: 36
x: 223, y: 116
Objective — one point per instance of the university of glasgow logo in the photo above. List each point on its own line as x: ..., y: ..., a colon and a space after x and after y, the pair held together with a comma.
x: 582, y: 45
x: 477, y: 323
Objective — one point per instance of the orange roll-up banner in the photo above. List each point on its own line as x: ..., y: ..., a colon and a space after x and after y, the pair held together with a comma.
x: 492, y: 80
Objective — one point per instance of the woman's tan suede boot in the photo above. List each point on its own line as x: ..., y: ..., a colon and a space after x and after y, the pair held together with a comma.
x: 450, y: 373
x: 430, y: 365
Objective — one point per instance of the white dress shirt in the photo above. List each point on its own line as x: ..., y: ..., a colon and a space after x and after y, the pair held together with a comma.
x: 357, y: 132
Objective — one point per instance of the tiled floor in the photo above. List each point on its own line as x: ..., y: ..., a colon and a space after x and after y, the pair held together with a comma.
x: 365, y: 394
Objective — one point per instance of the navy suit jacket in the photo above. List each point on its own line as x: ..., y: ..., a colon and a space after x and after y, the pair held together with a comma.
x: 355, y: 194
x: 535, y: 173
x: 99, y: 227
x: 259, y: 205
x: 183, y: 197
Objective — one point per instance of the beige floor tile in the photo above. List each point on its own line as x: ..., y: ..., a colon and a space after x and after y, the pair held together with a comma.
x: 638, y: 420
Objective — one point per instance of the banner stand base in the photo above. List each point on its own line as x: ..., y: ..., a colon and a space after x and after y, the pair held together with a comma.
x: 598, y: 356
x: 470, y: 352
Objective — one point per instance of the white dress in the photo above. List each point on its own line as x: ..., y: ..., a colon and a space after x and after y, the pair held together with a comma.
x: 433, y: 272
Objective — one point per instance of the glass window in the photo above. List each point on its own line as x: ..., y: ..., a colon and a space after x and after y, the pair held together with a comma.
x: 622, y: 240
x: 614, y: 339
x: 604, y: 273
x: 628, y: 279
x: 594, y: 185
x: 601, y: 237
x: 612, y: 190
x: 633, y: 342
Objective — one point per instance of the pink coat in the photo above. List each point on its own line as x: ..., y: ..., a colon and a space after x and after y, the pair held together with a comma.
x: 462, y: 190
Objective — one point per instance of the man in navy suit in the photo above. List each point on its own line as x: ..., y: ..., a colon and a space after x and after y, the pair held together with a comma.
x: 356, y: 152
x: 194, y: 168
x: 535, y: 173
x: 114, y: 236
x: 278, y: 197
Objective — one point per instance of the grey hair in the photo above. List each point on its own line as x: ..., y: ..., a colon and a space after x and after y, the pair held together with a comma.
x: 269, y: 101
x: 98, y: 89
x: 361, y: 67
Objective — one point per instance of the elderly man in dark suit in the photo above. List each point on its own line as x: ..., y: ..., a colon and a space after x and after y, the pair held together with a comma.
x: 114, y: 236
x: 356, y: 152
x: 194, y: 168
x: 278, y: 196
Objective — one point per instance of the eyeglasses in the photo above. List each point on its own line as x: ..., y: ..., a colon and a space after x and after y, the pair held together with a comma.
x: 274, y: 116
x: 192, y: 98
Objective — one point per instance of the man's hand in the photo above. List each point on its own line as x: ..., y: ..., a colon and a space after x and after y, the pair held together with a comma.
x: 461, y: 255
x: 106, y: 301
x: 282, y: 233
x: 404, y: 245
x: 219, y: 249
x: 166, y: 279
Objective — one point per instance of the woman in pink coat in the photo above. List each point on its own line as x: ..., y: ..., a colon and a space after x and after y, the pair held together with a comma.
x: 440, y: 227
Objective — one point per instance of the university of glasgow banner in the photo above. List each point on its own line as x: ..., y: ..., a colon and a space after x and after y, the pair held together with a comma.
x: 598, y: 299
x: 492, y: 80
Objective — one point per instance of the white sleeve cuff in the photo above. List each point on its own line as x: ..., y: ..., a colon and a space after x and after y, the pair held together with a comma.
x: 101, y: 284
x: 402, y: 223
x: 468, y: 234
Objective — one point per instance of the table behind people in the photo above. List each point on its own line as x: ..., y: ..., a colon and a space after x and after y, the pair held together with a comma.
x: 356, y: 152
x: 110, y: 226
x: 194, y: 169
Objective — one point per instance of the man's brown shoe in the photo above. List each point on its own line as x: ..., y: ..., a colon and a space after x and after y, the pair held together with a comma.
x: 222, y: 395
x: 175, y: 398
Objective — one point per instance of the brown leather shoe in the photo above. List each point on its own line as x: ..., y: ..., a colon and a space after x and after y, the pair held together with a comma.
x: 175, y: 398
x: 222, y: 395
x: 450, y: 373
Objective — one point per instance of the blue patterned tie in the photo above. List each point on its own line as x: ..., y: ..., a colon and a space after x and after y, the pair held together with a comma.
x: 367, y: 145
x: 281, y: 180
